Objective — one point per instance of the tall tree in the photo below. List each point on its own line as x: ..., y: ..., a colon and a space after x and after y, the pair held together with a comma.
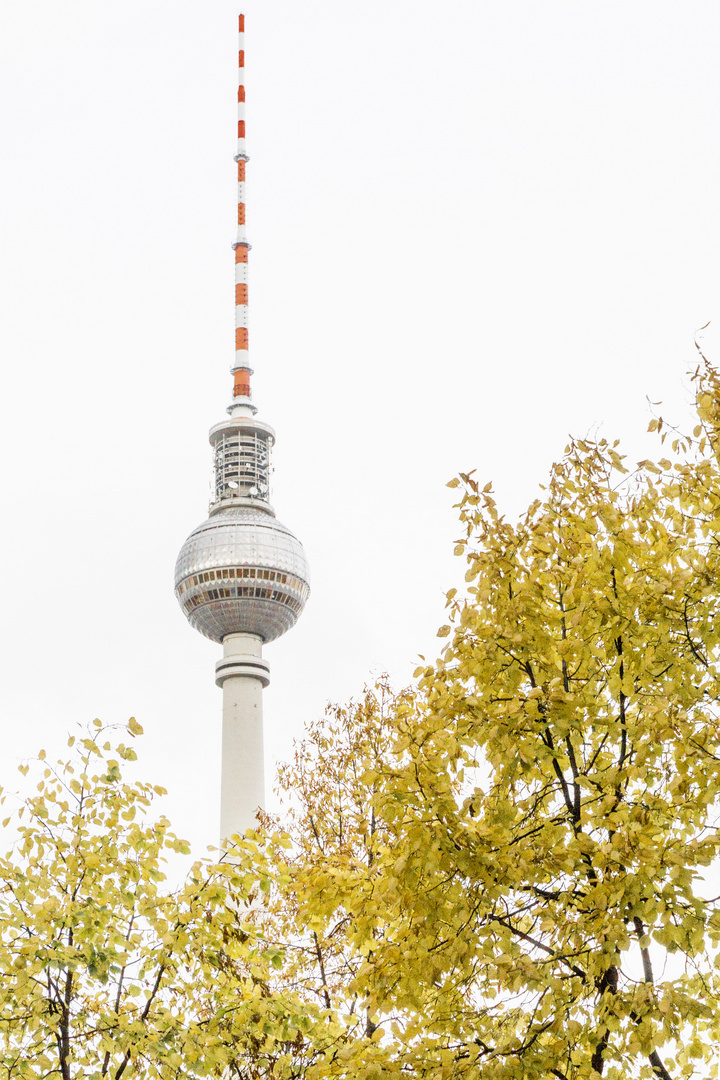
x: 540, y: 901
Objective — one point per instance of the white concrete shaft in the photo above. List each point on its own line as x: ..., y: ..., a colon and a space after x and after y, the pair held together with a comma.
x: 242, y: 673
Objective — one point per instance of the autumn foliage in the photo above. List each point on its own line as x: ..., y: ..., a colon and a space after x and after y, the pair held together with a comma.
x: 105, y: 971
x: 528, y: 889
x: 506, y: 872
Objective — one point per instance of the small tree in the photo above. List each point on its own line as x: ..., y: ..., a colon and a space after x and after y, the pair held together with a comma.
x: 546, y: 810
x: 104, y: 972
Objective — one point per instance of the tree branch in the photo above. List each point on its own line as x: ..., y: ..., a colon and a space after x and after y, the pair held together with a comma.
x: 321, y: 965
x: 143, y: 1016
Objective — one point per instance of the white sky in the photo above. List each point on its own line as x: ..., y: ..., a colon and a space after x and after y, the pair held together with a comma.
x: 476, y: 226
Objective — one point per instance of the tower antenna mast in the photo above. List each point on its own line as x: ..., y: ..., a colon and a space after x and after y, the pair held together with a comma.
x: 241, y: 577
x: 242, y: 370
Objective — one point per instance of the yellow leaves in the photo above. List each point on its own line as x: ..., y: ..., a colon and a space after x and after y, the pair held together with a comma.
x: 113, y: 774
x: 134, y: 727
x: 469, y: 858
x: 80, y: 901
x: 543, y: 545
x: 568, y: 692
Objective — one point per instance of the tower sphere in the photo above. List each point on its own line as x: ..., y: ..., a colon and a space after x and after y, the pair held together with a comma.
x: 242, y: 571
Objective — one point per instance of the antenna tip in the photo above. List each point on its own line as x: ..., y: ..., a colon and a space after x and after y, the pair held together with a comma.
x: 241, y: 23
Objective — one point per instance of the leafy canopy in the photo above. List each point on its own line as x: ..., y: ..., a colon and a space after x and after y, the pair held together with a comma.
x: 509, y: 867
x: 104, y: 971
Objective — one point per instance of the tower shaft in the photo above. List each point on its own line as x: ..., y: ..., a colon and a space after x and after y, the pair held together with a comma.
x: 242, y: 673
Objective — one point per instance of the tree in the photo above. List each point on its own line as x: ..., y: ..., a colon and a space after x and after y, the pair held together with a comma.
x: 539, y: 900
x: 104, y: 972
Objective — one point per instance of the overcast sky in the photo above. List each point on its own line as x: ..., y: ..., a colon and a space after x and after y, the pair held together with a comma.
x: 477, y: 227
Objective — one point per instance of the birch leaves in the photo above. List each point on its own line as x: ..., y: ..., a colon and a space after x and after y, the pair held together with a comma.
x: 105, y: 971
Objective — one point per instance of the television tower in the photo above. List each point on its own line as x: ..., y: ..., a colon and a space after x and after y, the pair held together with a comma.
x: 241, y: 577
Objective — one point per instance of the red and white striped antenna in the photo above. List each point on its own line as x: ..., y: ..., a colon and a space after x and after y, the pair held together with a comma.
x: 241, y: 368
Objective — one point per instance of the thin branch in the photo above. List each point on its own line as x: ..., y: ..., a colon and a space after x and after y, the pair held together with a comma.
x: 321, y: 965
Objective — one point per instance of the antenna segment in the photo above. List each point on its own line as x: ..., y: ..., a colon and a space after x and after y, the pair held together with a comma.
x: 241, y: 369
